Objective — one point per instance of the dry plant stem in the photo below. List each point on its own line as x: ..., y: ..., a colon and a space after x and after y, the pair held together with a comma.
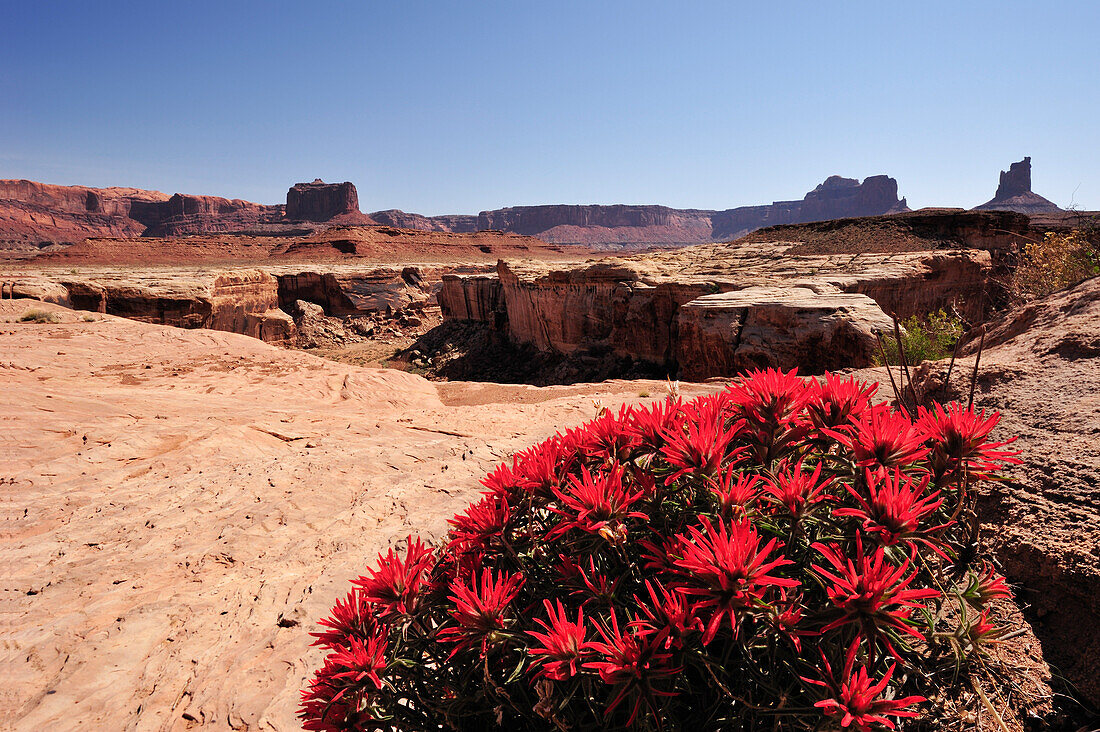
x: 974, y: 376
x: 890, y: 373
x: 951, y: 367
x: 988, y: 705
x: 904, y: 364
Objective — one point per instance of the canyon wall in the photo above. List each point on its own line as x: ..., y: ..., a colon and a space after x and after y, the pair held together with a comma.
x: 701, y: 312
x: 632, y: 226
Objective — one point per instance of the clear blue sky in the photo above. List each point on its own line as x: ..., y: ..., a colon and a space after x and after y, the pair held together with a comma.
x: 448, y: 107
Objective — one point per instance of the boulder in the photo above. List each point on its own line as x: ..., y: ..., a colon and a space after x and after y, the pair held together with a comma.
x: 777, y: 327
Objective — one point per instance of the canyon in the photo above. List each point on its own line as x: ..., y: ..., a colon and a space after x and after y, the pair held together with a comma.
x: 814, y: 296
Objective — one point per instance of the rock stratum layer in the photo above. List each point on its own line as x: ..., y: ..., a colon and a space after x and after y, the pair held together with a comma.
x: 812, y: 297
x: 633, y: 226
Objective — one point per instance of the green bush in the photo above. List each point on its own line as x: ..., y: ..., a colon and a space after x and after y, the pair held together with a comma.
x: 924, y: 339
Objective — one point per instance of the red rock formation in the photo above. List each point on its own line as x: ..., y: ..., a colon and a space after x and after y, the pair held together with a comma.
x: 455, y: 224
x: 662, y: 309
x: 1014, y: 193
x: 320, y: 201
x: 642, y: 226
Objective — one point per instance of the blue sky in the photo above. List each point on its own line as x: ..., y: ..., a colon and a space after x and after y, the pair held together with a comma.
x: 449, y: 107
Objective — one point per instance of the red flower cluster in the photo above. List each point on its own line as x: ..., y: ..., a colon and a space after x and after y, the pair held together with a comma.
x: 666, y: 562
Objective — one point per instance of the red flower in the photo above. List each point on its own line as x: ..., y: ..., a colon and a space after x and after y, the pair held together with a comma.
x: 771, y: 396
x: 506, y: 481
x: 669, y: 616
x: 352, y: 617
x: 957, y: 437
x: 882, y: 437
x: 785, y: 617
x: 395, y: 585
x: 482, y: 521
x: 592, y: 503
x: 894, y: 507
x: 607, y: 438
x: 871, y: 592
x: 856, y: 698
x: 597, y: 586
x: 650, y: 424
x: 700, y: 445
x: 544, y: 466
x: 981, y: 589
x: 736, y: 492
x: 341, y: 688
x: 563, y: 643
x: 479, y: 609
x: 835, y: 400
x: 728, y: 568
x: 981, y: 631
x: 797, y: 490
x: 631, y: 663
x: 772, y: 403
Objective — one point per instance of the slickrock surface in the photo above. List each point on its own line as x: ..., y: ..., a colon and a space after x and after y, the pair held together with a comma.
x: 1041, y: 370
x: 183, y: 505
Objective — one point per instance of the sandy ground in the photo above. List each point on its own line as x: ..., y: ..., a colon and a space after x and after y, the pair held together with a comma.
x: 180, y: 507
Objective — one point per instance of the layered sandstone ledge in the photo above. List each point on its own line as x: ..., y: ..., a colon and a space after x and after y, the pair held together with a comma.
x: 718, y: 309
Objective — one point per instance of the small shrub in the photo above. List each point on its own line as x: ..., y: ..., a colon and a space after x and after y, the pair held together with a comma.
x: 924, y: 339
x: 1056, y: 261
x: 783, y: 555
x: 89, y: 318
x: 39, y: 316
x: 643, y: 394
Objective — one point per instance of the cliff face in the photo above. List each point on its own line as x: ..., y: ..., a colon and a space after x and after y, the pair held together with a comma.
x: 1014, y: 193
x: 641, y: 226
x: 319, y: 201
x: 719, y: 309
x: 33, y: 215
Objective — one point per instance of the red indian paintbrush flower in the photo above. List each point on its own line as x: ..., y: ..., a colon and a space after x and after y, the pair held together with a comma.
x: 479, y: 608
x: 797, y: 490
x: 984, y: 588
x: 701, y: 444
x: 544, y: 466
x: 631, y: 662
x: 957, y: 437
x: 727, y: 567
x: 871, y: 592
x: 881, y: 437
x: 395, y: 585
x: 352, y: 617
x: 834, y: 401
x: 772, y: 403
x: 894, y: 507
x: 670, y: 616
x: 606, y: 438
x: 482, y: 521
x: 592, y: 503
x: 650, y: 424
x: 341, y: 687
x: 563, y: 644
x: 736, y: 492
x: 506, y: 480
x: 856, y: 696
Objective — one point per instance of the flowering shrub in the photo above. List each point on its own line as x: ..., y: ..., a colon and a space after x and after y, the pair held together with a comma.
x: 782, y: 553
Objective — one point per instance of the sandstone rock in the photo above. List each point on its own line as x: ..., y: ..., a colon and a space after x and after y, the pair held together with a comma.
x: 1041, y: 369
x: 319, y: 201
x: 777, y: 327
x: 631, y: 306
x: 1014, y: 192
